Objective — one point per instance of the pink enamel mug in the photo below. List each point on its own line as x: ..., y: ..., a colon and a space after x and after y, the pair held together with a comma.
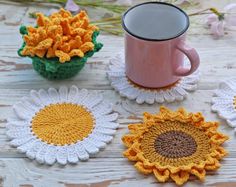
x: 155, y: 44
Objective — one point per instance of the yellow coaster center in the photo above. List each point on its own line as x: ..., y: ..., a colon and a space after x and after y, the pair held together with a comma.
x: 168, y: 87
x: 61, y: 124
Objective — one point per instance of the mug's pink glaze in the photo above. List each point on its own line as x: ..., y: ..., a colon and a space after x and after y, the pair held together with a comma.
x: 157, y: 64
x: 153, y: 62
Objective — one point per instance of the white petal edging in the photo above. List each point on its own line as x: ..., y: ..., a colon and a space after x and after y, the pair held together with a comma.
x: 117, y: 77
x: 21, y: 136
x: 223, y: 101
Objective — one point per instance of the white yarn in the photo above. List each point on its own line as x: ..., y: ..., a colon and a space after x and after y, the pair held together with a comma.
x: 119, y: 82
x: 19, y: 128
x: 223, y: 101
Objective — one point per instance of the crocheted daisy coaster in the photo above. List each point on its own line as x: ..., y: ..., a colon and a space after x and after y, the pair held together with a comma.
x: 174, y: 145
x: 224, y: 101
x: 126, y: 88
x: 61, y: 125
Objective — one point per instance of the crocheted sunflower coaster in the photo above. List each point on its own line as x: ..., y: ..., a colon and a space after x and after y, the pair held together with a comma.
x: 174, y: 145
x: 224, y: 101
x: 63, y: 126
x: 126, y: 88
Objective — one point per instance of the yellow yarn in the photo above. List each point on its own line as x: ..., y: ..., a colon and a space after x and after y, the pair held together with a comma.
x: 58, y: 34
x: 174, y: 145
x: 152, y: 89
x: 152, y: 155
x: 62, y: 124
x: 234, y: 101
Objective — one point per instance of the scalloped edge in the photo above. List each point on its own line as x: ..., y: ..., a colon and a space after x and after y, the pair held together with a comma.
x: 53, y: 63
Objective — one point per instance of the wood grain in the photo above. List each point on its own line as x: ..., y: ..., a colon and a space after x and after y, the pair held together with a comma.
x: 108, y: 168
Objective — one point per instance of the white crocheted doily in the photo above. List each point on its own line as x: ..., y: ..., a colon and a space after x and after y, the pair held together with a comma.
x: 121, y: 84
x: 224, y: 101
x: 64, y: 126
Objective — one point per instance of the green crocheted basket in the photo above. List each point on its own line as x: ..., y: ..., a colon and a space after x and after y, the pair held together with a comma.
x: 52, y: 69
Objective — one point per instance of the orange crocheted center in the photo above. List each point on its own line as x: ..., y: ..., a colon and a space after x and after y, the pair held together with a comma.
x: 175, y: 143
x: 62, y: 124
x: 152, y: 89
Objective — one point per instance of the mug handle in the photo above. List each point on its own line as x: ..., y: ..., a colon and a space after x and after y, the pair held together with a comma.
x: 193, y: 57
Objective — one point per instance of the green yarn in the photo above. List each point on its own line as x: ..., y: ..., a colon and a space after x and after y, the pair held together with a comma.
x: 52, y: 69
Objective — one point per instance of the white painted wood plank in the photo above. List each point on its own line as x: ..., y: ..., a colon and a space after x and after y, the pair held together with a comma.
x: 108, y: 168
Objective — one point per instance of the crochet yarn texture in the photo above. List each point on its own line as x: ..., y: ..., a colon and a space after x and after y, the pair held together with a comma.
x: 224, y: 101
x: 60, y: 44
x: 174, y: 145
x: 126, y: 88
x: 61, y: 125
x: 52, y: 69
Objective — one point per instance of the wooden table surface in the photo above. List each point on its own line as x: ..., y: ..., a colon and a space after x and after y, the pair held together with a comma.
x: 108, y: 168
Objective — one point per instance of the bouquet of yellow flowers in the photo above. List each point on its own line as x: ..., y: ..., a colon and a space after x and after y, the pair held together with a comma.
x: 60, y: 44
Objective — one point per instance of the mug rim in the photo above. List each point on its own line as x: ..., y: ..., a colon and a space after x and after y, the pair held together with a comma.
x: 149, y: 39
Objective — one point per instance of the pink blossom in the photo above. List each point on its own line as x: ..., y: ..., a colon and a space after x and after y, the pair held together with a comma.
x: 230, y: 17
x: 218, y: 22
x: 72, y: 6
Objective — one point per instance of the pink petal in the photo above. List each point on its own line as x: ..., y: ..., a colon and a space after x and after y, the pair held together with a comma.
x: 230, y: 20
x: 211, y: 18
x: 228, y: 8
x: 72, y: 6
x: 217, y: 29
x: 230, y: 17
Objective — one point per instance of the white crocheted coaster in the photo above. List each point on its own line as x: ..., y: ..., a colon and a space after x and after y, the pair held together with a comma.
x: 224, y: 101
x: 65, y: 125
x: 175, y: 92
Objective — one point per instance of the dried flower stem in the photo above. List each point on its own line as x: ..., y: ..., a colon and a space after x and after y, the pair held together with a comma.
x: 199, y: 12
x: 112, y: 24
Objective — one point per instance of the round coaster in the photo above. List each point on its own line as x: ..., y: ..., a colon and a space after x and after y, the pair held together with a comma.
x: 224, y: 101
x: 126, y: 88
x: 175, y: 145
x: 65, y: 125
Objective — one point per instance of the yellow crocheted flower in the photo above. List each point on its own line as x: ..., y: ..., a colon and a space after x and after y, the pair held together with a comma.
x: 62, y: 124
x: 174, y: 145
x: 60, y: 35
